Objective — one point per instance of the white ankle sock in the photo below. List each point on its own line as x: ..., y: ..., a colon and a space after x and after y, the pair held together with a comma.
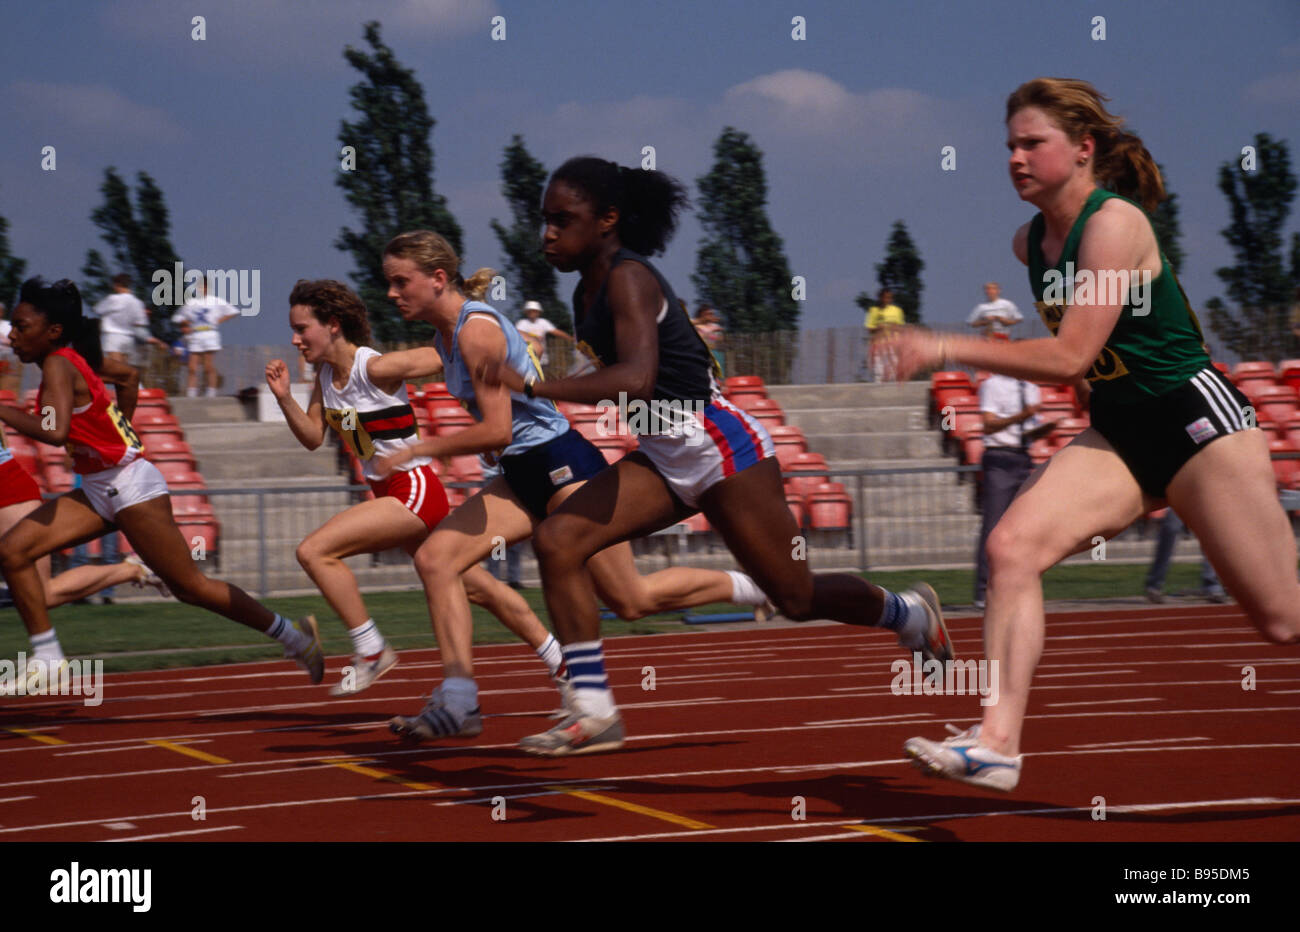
x: 366, y: 640
x: 551, y: 654
x: 744, y: 591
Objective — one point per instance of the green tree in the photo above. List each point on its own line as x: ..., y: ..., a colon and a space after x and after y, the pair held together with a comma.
x: 391, y: 186
x: 1169, y: 232
x: 900, y: 273
x: 1259, y: 284
x: 529, y: 275
x: 139, y: 242
x: 741, y: 268
x: 11, y: 270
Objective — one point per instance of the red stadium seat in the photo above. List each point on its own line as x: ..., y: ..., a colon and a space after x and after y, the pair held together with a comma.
x: 176, y: 471
x: 1289, y: 373
x: 954, y: 396
x: 973, y: 450
x: 612, y: 448
x: 1286, y: 470
x: 795, y: 503
x: 153, y: 416
x: 829, y: 511
x: 1254, y: 369
x: 578, y: 413
x: 465, y: 468
x: 201, y: 535
x: 1277, y: 402
x: 807, y: 470
x: 789, y: 442
x: 697, y: 523
x: 767, y: 412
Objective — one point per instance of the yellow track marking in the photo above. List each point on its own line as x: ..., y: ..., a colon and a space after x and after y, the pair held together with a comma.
x: 43, y: 739
x: 189, y: 752
x: 631, y: 807
x: 355, y: 767
x: 882, y: 832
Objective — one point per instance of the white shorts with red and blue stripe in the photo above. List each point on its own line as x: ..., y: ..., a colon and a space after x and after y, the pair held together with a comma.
x: 692, y: 461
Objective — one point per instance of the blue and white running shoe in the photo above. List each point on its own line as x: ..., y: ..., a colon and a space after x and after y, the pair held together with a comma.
x: 962, y: 758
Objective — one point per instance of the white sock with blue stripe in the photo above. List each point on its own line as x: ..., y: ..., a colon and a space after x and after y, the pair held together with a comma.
x: 585, y: 662
x: 905, y: 614
x: 45, y: 646
x: 551, y: 653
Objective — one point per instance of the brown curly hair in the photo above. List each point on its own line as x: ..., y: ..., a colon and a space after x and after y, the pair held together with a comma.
x: 331, y: 300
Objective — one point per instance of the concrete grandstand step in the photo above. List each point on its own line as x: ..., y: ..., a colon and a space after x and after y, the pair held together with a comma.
x: 237, y: 462
x: 877, y: 446
x: 213, y: 410
x: 933, y: 472
x: 207, y: 434
x: 885, y: 418
x: 850, y: 395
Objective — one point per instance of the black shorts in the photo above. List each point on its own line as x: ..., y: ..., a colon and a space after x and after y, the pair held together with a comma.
x: 535, y: 475
x: 1155, y: 437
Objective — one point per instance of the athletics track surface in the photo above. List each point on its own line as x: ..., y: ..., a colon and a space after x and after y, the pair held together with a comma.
x: 1144, y: 708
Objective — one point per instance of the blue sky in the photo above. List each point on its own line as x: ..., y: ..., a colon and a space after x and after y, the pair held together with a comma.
x: 240, y: 129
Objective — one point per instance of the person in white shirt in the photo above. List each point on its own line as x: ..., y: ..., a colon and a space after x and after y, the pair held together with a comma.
x: 1010, y: 411
x: 535, y: 329
x: 199, y: 319
x: 121, y: 316
x: 11, y: 370
x: 996, y: 316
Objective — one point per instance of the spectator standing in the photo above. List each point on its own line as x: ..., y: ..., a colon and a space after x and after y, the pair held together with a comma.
x: 996, y: 316
x: 198, y: 319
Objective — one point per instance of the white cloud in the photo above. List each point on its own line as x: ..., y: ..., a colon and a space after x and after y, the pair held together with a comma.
x: 796, y: 90
x: 272, y: 33
x: 91, y: 108
x: 1276, y: 90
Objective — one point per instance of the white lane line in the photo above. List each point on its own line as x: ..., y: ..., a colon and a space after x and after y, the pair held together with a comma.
x: 195, y: 831
x: 942, y: 817
x: 1125, y: 744
x: 1096, y: 702
x: 678, y: 775
x: 909, y: 717
x: 140, y: 746
x: 15, y: 799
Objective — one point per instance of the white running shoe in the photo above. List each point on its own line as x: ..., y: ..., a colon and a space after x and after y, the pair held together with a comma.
x: 365, y: 672
x: 962, y: 758
x: 311, y: 658
x: 148, y: 577
x: 935, y: 645
x: 577, y: 734
x: 566, y: 698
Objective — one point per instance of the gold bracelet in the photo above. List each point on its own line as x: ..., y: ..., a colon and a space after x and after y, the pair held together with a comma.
x: 943, y: 351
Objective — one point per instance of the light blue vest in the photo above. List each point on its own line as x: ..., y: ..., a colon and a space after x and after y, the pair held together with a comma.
x: 535, y: 420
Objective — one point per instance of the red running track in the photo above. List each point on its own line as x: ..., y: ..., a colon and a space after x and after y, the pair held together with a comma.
x: 778, y: 734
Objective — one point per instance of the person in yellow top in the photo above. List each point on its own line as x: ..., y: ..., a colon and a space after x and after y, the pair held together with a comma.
x: 882, y: 319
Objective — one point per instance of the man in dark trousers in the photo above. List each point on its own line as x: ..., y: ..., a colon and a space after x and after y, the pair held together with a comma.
x: 1010, y: 408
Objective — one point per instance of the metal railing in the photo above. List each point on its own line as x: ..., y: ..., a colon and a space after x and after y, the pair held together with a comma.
x: 901, y: 518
